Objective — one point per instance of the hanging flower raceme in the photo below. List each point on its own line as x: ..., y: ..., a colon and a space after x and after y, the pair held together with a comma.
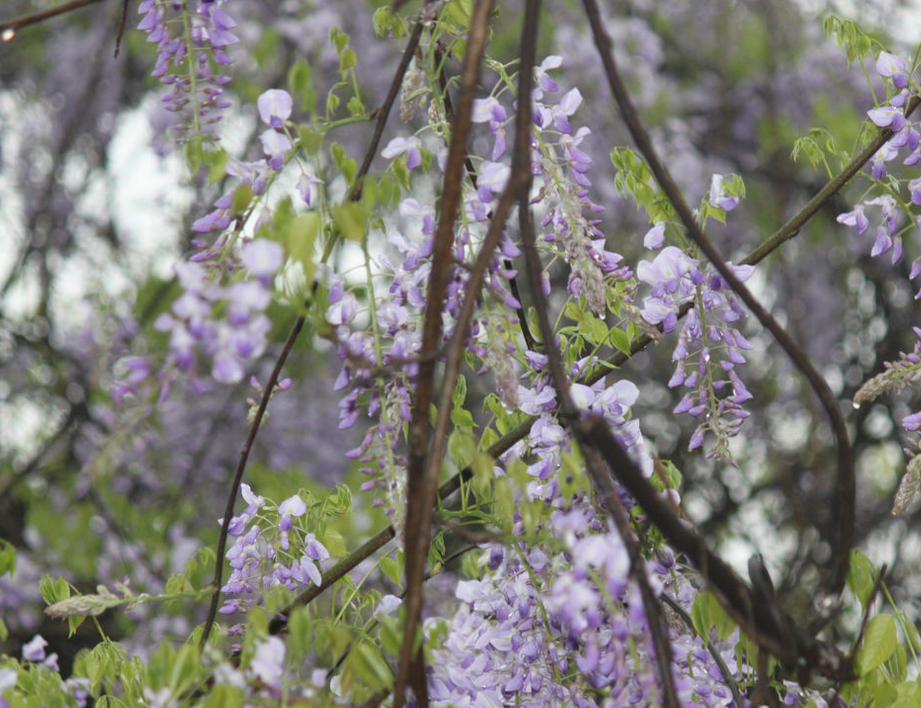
x: 905, y: 141
x: 273, y: 548
x: 709, y: 343
x: 192, y: 37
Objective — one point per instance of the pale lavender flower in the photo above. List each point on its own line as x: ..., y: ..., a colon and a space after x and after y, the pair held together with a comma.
x: 275, y: 107
x: 892, y: 67
x: 410, y: 146
x: 718, y: 196
x: 34, y: 649
x: 655, y: 237
x: 268, y: 662
x: 263, y: 257
x: 887, y: 117
x: 855, y: 218
x: 276, y: 146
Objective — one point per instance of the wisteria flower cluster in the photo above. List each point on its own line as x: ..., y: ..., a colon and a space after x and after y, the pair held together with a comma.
x: 561, y: 169
x: 905, y: 142
x: 562, y: 622
x: 273, y: 548
x: 192, y: 40
x: 553, y: 610
x: 709, y: 344
x: 224, y: 325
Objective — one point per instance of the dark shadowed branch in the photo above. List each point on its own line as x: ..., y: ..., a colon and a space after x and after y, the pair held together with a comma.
x: 843, y: 508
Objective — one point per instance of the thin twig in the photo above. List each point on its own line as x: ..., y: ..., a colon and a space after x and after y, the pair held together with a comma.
x: 757, y: 616
x: 384, y: 111
x: 843, y: 508
x: 238, y: 477
x: 793, y: 226
x: 420, y: 490
x: 121, y: 28
x: 658, y: 628
x: 26, y: 20
x: 714, y: 652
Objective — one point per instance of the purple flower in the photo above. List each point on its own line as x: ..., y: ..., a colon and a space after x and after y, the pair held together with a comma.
x: 670, y: 275
x: 276, y: 147
x: 275, y: 107
x: 544, y: 82
x: 912, y: 422
x: 410, y: 146
x: 492, y: 179
x: 34, y: 649
x: 263, y: 258
x: 855, y: 218
x: 491, y: 111
x: 655, y: 237
x: 268, y: 662
x: 887, y: 117
x: 209, y: 32
x: 891, y: 66
x: 718, y: 197
x: 915, y: 188
x: 883, y: 242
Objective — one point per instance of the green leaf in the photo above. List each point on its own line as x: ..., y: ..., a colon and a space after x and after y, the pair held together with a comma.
x: 194, y: 152
x: 332, y: 103
x: 861, y: 576
x: 4, y: 632
x: 7, y: 558
x: 620, y: 340
x: 73, y: 624
x: 301, y: 85
x: 351, y: 220
x: 185, y: 669
x: 267, y: 47
x: 334, y: 542
x: 879, y: 642
x: 908, y: 695
x: 369, y: 664
x: 300, y: 633
x: 177, y: 583
x: 53, y: 589
x: 242, y: 196
x: 356, y: 107
x: 347, y: 60
x: 897, y: 665
x: 462, y: 448
x: 381, y: 20
x: 460, y: 392
x: 224, y: 695
x: 311, y: 139
x: 707, y: 613
x: 216, y: 160
x: 504, y: 504
x: 390, y: 635
x: 391, y: 569
x: 459, y: 12
x: 299, y: 239
x: 462, y: 418
x: 338, y: 39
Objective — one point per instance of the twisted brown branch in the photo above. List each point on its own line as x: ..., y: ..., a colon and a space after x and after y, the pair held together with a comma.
x: 422, y: 483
